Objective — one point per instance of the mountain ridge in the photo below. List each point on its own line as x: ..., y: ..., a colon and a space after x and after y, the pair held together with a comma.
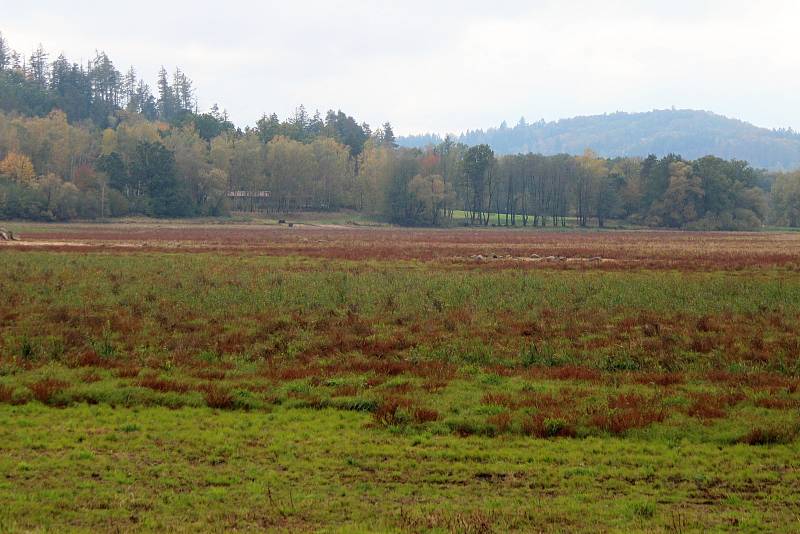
x: 690, y: 133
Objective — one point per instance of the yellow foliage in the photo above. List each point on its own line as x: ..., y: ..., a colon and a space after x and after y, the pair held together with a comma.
x: 109, y: 142
x: 18, y: 167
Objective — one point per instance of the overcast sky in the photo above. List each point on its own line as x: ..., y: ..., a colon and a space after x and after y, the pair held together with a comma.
x: 443, y: 66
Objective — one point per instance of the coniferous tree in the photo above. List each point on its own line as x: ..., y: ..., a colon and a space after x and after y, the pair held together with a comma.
x: 166, y: 97
x: 388, y: 139
x: 37, y: 67
x: 5, y: 54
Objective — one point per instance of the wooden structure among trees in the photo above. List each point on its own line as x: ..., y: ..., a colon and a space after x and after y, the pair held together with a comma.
x: 249, y: 200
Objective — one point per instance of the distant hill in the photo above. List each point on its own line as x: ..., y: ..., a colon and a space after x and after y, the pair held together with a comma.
x: 690, y: 133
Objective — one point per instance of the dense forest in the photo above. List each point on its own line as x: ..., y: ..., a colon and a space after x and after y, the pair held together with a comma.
x: 87, y: 141
x: 693, y: 134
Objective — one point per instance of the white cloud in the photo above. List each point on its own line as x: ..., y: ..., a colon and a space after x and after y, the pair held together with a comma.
x: 448, y: 65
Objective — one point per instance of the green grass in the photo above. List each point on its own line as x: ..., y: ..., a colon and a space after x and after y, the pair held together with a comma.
x: 176, y: 391
x: 90, y: 468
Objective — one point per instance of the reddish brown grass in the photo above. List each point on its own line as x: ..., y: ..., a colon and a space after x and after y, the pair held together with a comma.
x: 6, y: 394
x: 571, y: 372
x: 548, y: 426
x: 627, y: 411
x: 44, y: 390
x: 501, y: 421
x: 90, y: 377
x: 499, y: 399
x: 346, y: 390
x: 217, y: 397
x: 712, y: 406
x: 163, y: 385
x: 386, y: 414
x: 130, y: 371
x: 768, y: 436
x: 425, y: 415
x: 401, y: 388
x: 777, y: 403
x: 210, y: 374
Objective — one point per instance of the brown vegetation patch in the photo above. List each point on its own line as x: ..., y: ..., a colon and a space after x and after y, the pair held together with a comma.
x: 550, y: 425
x: 128, y: 371
x: 425, y: 415
x: 500, y: 421
x: 6, y: 394
x: 209, y: 373
x: 777, y: 403
x: 712, y: 406
x: 627, y: 411
x: 346, y: 390
x: 387, y: 412
x: 217, y: 396
x: 90, y: 377
x: 163, y: 385
x: 46, y: 389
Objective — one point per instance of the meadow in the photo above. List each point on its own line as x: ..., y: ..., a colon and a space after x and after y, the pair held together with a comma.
x: 179, y: 377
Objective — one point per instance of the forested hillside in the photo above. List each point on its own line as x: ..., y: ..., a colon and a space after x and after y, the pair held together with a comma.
x: 693, y: 134
x: 87, y: 141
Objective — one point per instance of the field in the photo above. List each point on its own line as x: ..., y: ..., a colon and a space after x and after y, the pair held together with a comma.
x: 183, y: 377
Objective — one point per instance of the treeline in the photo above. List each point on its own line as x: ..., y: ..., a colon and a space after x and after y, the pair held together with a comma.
x: 88, y: 142
x: 453, y: 182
